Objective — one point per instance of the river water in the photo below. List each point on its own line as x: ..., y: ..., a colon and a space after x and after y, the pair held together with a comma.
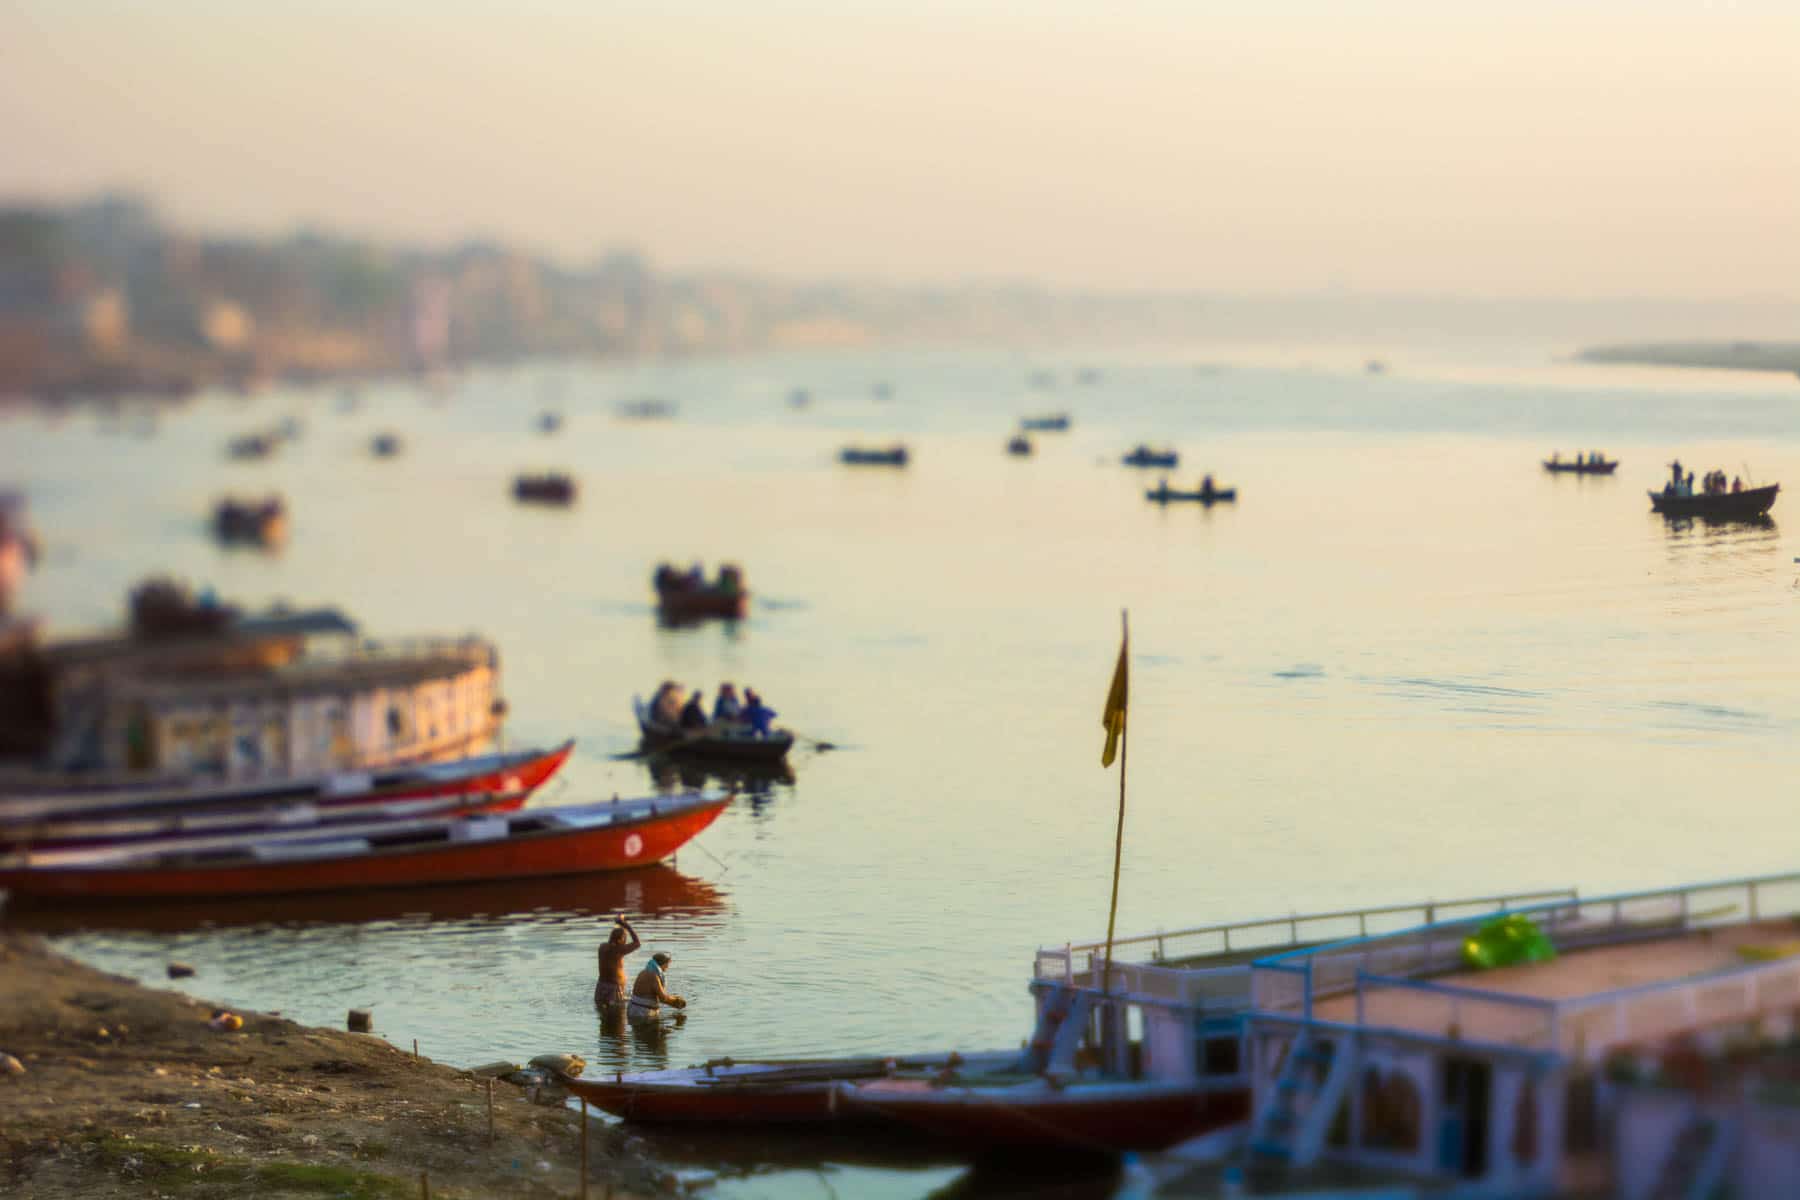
x: 1407, y: 664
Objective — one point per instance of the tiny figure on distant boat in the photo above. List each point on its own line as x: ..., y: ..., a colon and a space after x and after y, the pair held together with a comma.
x: 609, y: 991
x: 757, y: 714
x: 1737, y: 483
x: 650, y: 992
x: 1206, y: 487
x: 693, y: 713
x: 727, y: 706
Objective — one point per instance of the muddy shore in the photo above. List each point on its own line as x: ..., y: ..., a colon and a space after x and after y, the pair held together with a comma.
x: 132, y: 1091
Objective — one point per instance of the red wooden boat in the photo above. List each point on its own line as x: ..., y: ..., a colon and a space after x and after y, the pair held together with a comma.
x: 111, y: 829
x: 652, y: 890
x: 562, y: 840
x: 518, y: 772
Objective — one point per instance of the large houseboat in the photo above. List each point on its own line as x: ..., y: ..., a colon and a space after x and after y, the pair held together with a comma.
x: 199, y: 690
x: 1641, y: 1055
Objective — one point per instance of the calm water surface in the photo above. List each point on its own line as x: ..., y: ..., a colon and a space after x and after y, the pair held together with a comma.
x: 1407, y: 664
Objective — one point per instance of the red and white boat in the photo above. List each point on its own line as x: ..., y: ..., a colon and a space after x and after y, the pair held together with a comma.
x: 519, y: 773
x: 559, y: 840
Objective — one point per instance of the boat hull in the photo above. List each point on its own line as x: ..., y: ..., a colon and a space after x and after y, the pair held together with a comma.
x: 768, y: 751
x: 1102, y: 1118
x: 499, y: 774
x: 1569, y: 468
x: 1219, y: 496
x: 1748, y: 504
x: 636, y: 843
x: 683, y: 605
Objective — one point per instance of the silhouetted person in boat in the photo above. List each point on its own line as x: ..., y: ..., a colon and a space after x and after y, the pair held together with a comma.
x: 757, y: 714
x: 610, y: 990
x: 649, y: 993
x: 665, y: 706
x: 693, y: 713
x: 727, y: 707
x: 1206, y: 487
x: 1675, y: 475
x: 1737, y: 483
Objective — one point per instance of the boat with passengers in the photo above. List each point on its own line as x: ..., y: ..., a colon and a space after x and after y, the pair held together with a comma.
x: 1421, y: 1059
x: 1718, y: 498
x: 1139, y: 1056
x: 1585, y: 463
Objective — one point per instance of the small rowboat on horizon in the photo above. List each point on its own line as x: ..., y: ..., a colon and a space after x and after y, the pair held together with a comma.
x: 1207, y: 495
x: 723, y: 741
x: 255, y: 522
x: 552, y: 487
x: 1020, y: 446
x: 1146, y: 456
x: 1047, y: 423
x: 384, y: 445
x: 1557, y: 466
x: 1747, y: 505
x: 563, y: 840
x: 862, y: 456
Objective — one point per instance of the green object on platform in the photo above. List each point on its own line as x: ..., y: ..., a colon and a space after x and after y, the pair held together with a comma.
x: 1507, y: 941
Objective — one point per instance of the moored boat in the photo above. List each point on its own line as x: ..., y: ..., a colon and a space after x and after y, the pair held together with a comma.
x: 516, y: 772
x: 563, y: 840
x: 765, y: 1092
x: 1748, y: 504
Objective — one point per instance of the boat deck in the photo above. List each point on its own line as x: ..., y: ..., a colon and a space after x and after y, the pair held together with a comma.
x: 1592, y: 971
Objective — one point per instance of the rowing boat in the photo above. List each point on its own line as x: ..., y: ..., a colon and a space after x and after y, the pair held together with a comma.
x: 1748, y: 504
x: 562, y: 840
x: 1164, y: 494
x: 718, y: 740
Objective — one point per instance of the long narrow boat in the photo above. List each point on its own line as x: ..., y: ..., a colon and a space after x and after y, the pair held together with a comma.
x: 715, y: 741
x: 1720, y: 506
x: 1146, y: 456
x: 1164, y: 494
x: 563, y: 840
x: 117, y: 828
x: 1557, y: 466
x: 652, y: 890
x: 865, y: 456
x: 764, y: 1092
x: 521, y: 771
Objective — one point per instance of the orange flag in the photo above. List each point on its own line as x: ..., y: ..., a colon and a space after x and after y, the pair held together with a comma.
x: 1113, y: 718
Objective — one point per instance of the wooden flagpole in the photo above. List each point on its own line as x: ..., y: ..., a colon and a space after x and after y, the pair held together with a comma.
x: 1112, y: 911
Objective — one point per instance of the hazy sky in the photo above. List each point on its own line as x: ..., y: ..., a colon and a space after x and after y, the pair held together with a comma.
x: 1542, y: 147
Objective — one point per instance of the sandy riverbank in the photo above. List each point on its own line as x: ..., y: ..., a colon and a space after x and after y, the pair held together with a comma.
x: 128, y: 1091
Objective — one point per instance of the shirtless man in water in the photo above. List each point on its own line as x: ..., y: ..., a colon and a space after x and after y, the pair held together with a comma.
x: 610, y: 990
x: 650, y: 992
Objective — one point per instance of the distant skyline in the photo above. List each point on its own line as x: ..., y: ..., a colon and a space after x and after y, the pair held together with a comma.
x: 1535, y: 149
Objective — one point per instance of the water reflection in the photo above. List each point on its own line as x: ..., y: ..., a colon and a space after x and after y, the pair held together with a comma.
x: 1760, y: 528
x: 655, y: 891
x: 755, y: 781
